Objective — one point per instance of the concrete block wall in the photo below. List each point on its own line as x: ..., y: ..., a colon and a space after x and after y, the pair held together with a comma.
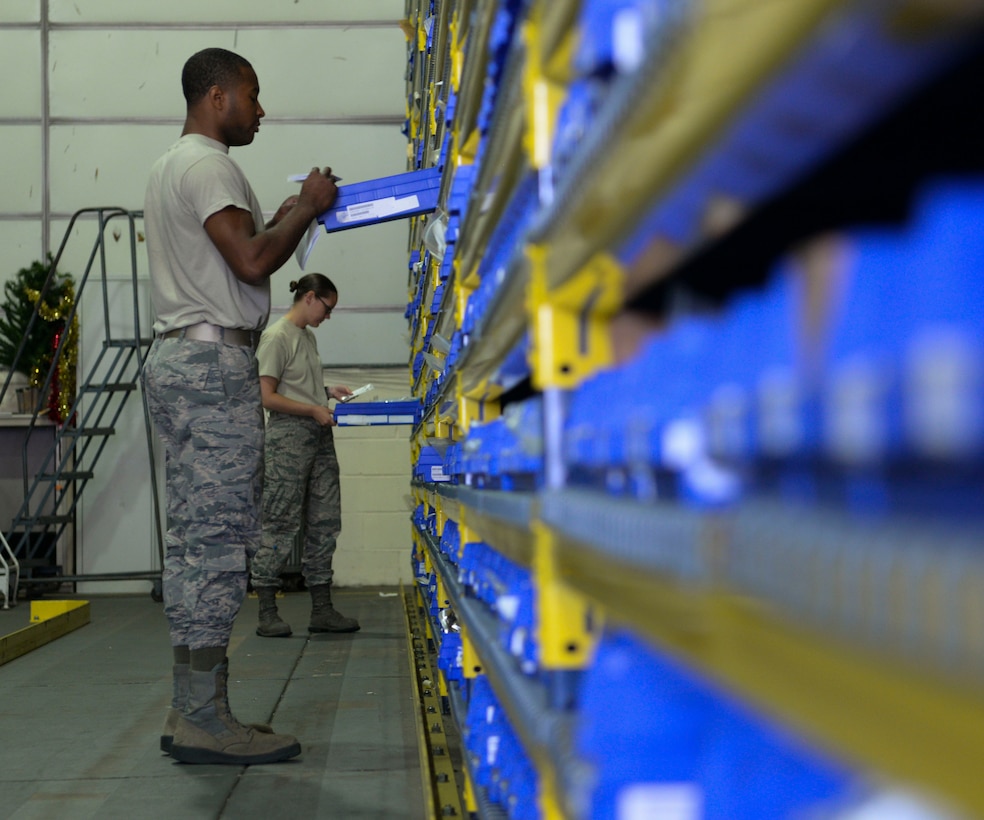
x: 374, y: 546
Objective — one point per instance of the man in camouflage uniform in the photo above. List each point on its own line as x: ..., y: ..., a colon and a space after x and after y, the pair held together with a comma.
x: 210, y: 257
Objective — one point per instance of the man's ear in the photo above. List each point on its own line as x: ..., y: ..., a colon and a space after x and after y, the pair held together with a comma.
x: 216, y: 97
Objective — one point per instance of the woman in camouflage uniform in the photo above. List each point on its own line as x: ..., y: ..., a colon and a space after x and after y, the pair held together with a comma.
x: 300, y: 486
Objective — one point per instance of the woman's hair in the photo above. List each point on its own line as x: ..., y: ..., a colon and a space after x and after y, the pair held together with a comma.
x: 211, y: 66
x: 317, y: 283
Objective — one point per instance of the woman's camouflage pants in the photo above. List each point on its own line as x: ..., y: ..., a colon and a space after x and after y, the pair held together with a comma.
x: 301, y: 499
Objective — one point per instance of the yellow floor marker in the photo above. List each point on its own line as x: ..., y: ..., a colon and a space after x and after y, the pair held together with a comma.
x: 49, y: 620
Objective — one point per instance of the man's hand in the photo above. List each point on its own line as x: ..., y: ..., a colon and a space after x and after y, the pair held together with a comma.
x: 318, y: 191
x: 339, y: 392
x: 282, y: 211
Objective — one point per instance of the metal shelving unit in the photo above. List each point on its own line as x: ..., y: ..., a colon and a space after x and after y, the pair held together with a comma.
x: 724, y: 524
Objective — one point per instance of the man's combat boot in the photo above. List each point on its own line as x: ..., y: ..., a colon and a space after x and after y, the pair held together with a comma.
x: 179, y: 697
x: 208, y: 733
x: 271, y: 624
x: 324, y: 617
x: 181, y: 681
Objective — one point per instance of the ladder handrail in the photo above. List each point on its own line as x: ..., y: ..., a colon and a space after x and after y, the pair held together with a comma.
x: 70, y: 444
x: 9, y: 567
x: 52, y: 272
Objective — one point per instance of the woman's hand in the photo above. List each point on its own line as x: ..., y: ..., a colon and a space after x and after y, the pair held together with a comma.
x: 323, y: 416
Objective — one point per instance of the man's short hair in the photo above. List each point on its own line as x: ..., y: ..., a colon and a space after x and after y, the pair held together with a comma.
x: 211, y: 66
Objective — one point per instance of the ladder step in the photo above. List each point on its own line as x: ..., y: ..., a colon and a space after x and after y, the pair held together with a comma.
x: 72, y: 475
x: 77, y: 432
x: 128, y: 342
x: 55, y: 519
x: 117, y: 387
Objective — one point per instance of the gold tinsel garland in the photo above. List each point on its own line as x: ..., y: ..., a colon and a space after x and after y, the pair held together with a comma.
x: 63, y: 385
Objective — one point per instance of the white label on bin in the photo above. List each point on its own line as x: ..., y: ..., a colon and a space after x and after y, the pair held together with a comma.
x: 897, y: 805
x: 629, y: 49
x: 378, y: 208
x: 492, y: 750
x: 667, y: 801
x: 354, y: 419
x: 508, y: 606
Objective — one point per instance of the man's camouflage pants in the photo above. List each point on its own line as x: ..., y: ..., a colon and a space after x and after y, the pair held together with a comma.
x: 205, y: 399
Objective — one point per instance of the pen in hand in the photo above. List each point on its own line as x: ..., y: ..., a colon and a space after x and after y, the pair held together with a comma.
x: 302, y: 177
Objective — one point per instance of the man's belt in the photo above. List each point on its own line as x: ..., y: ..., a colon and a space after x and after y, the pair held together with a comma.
x: 205, y: 332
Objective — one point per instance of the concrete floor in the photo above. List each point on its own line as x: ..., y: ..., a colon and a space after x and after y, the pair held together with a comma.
x: 80, y: 719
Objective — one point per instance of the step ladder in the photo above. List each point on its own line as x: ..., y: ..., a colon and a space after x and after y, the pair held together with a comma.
x: 9, y: 573
x: 52, y: 491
